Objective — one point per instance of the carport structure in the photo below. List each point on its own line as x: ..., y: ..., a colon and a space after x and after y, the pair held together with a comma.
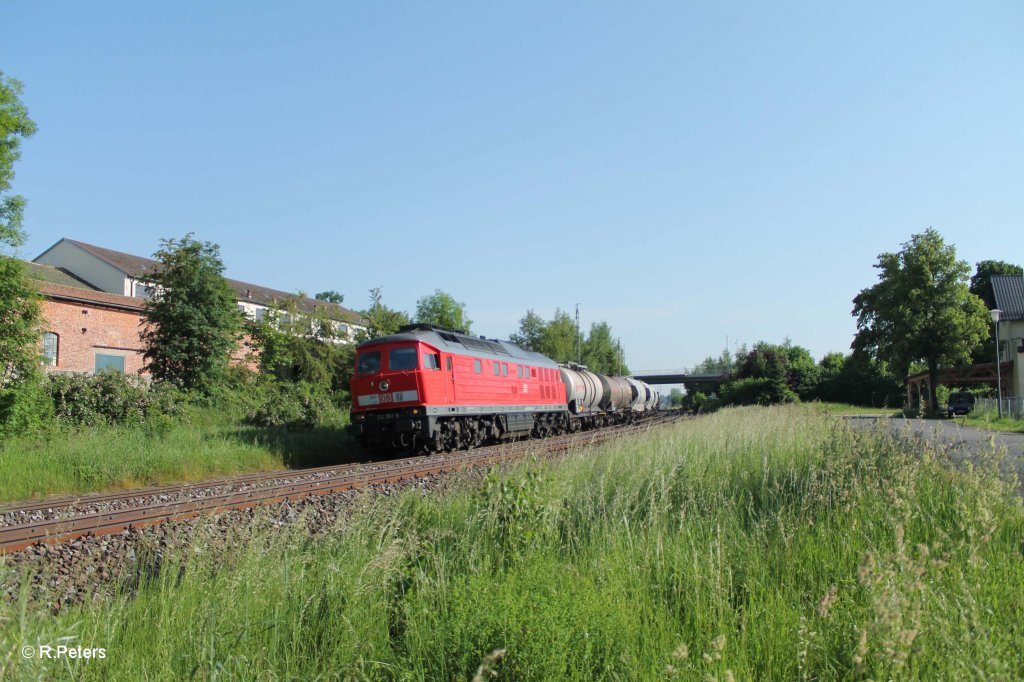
x: 917, y: 384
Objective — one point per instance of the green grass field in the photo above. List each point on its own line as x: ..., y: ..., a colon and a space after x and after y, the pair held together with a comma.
x: 751, y: 544
x: 210, y: 443
x: 989, y: 420
x: 845, y: 409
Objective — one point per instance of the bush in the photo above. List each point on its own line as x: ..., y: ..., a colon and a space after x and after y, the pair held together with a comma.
x: 292, y: 405
x: 763, y: 391
x: 110, y: 398
x: 23, y: 408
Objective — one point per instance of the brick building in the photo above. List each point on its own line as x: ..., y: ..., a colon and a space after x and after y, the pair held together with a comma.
x: 94, y: 306
x: 87, y: 330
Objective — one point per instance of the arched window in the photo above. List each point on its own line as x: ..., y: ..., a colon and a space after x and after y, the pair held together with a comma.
x: 51, y: 346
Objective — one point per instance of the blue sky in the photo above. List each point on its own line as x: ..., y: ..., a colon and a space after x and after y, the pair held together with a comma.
x: 686, y: 171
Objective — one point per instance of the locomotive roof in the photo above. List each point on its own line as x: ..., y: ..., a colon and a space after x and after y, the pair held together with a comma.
x: 463, y: 344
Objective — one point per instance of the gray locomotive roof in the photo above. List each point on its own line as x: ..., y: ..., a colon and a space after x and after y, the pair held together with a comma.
x: 472, y: 346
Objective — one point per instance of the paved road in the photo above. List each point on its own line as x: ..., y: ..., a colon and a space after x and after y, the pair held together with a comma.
x: 962, y: 442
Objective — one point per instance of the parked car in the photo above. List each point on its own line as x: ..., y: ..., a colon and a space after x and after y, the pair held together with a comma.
x: 959, y: 403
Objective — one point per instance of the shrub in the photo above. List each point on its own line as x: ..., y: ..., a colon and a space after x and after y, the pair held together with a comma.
x: 110, y: 398
x: 292, y: 405
x: 763, y: 391
x: 23, y: 407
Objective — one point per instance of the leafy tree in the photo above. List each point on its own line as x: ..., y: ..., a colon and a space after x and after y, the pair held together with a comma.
x: 331, y: 296
x: 981, y: 280
x: 381, y: 320
x: 442, y: 309
x: 531, y: 332
x: 558, y: 340
x: 20, y: 314
x: 15, y: 125
x: 298, y: 346
x: 803, y: 374
x: 921, y: 309
x: 601, y: 353
x: 194, y: 325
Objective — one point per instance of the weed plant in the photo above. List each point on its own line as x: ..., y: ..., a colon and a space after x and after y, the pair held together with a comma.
x: 756, y: 543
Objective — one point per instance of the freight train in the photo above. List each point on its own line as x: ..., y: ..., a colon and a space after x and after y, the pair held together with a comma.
x: 430, y: 389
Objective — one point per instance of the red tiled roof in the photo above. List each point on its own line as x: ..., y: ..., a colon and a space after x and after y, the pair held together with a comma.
x: 78, y: 294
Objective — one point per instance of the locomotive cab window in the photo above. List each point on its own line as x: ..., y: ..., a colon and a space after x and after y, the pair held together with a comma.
x: 448, y: 364
x: 504, y: 369
x: 401, y: 359
x: 497, y: 368
x: 431, y: 361
x: 369, y: 363
x: 476, y: 366
x: 520, y: 368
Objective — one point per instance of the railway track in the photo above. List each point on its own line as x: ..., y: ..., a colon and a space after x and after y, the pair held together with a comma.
x: 239, y: 492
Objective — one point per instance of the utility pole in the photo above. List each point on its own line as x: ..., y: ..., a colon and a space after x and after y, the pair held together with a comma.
x: 579, y: 350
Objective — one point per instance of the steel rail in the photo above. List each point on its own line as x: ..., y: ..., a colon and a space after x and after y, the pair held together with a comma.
x: 20, y: 536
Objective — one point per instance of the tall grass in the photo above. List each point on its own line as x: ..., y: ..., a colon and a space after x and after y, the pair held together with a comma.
x: 751, y: 544
x: 210, y: 442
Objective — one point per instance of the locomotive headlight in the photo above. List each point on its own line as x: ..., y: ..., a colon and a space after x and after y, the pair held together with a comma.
x: 384, y: 385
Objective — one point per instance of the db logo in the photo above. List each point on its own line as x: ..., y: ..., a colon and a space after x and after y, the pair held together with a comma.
x: 386, y: 398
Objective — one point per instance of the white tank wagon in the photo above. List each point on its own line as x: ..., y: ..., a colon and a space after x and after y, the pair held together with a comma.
x: 598, y: 400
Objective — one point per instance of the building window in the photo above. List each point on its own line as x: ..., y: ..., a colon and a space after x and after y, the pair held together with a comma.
x: 143, y: 292
x: 109, y: 363
x: 51, y: 346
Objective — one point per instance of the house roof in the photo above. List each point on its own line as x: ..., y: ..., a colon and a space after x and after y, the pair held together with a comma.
x: 61, y: 276
x: 139, y: 267
x: 1009, y: 292
x: 84, y: 296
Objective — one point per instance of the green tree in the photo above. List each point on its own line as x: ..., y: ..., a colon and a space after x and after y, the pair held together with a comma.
x: 602, y: 353
x: 921, y: 309
x: 15, y: 125
x: 331, y: 296
x: 531, y: 331
x: 20, y: 314
x: 380, y: 319
x: 442, y: 309
x: 558, y: 341
x: 193, y: 322
x: 299, y: 346
x: 981, y: 280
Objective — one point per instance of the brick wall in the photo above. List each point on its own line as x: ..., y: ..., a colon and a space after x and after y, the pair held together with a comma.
x: 85, y: 330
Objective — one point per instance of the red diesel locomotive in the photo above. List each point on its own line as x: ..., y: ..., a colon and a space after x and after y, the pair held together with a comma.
x: 431, y: 389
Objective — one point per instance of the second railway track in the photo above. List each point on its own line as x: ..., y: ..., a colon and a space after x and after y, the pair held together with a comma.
x: 238, y: 492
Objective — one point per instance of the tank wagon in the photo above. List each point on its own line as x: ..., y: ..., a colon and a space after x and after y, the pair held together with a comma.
x: 431, y: 389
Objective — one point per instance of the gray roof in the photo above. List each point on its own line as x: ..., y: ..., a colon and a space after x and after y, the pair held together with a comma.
x: 464, y: 344
x: 61, y: 276
x: 139, y: 267
x: 1009, y: 291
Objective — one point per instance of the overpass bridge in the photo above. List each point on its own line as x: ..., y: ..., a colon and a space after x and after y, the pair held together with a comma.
x: 681, y: 376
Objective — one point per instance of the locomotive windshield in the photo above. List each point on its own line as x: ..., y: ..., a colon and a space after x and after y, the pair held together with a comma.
x: 401, y: 358
x: 369, y: 362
